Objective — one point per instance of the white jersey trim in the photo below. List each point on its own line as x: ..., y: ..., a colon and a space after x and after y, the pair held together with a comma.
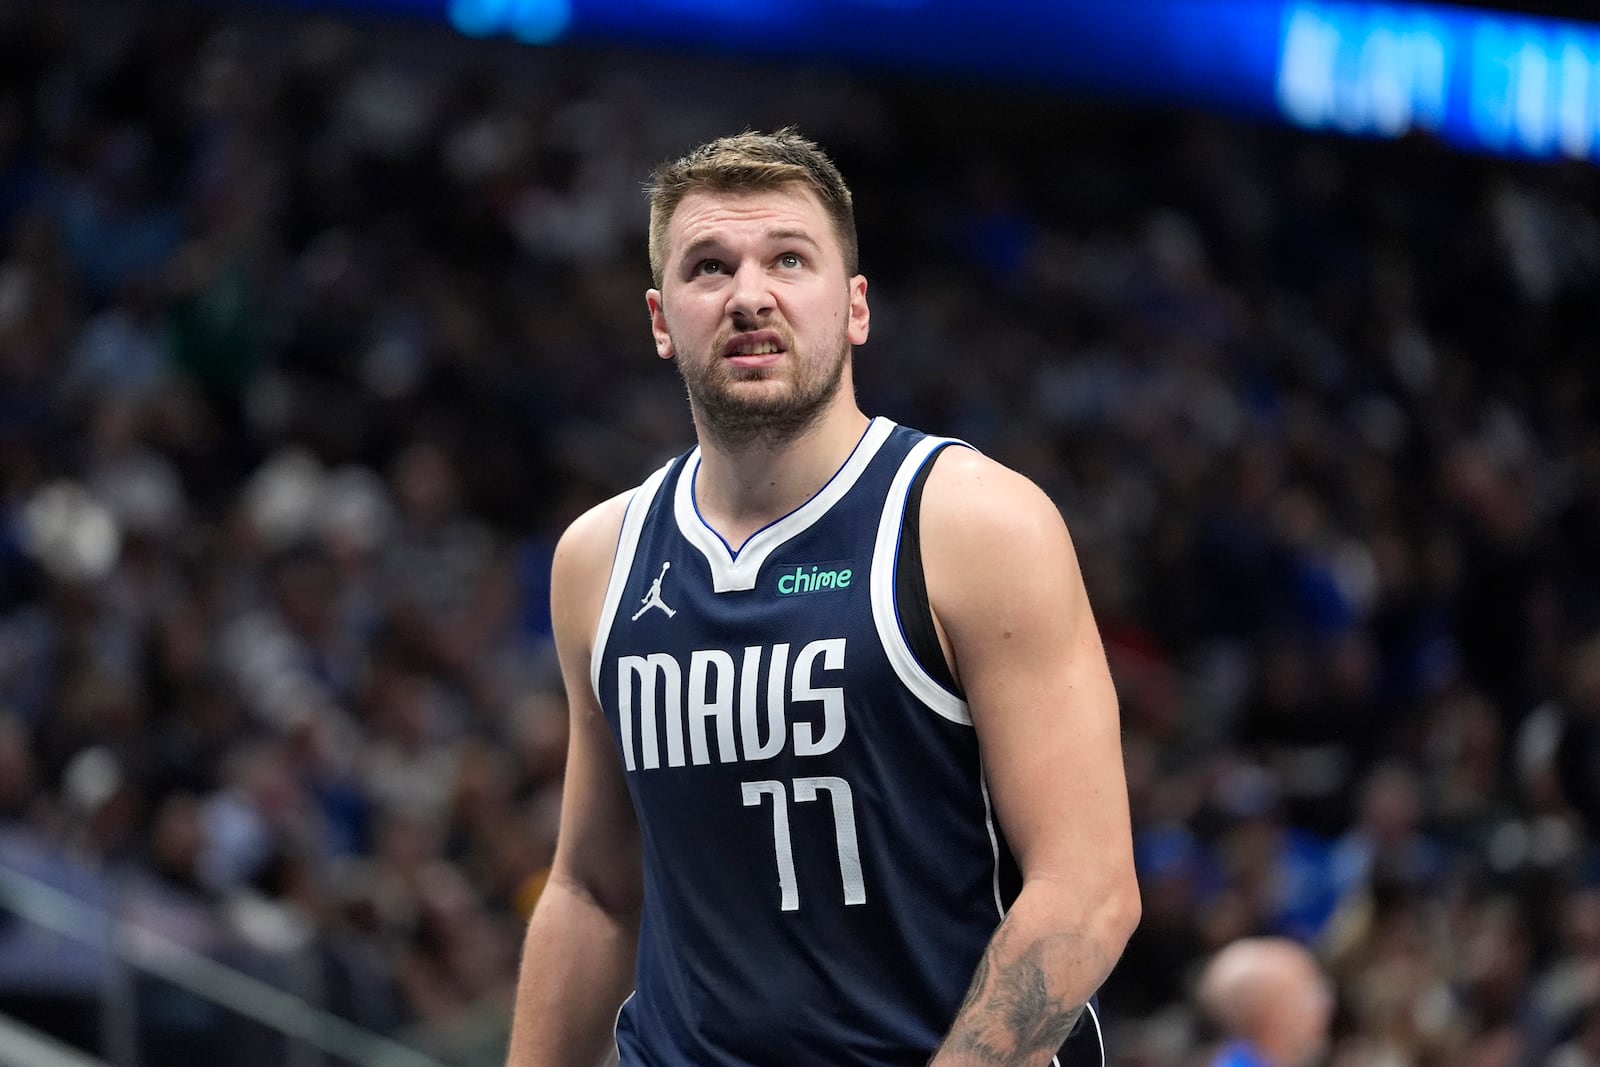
x: 884, y: 613
x: 994, y: 843
x: 616, y: 1031
x: 733, y: 571
x: 621, y: 564
x: 1099, y: 1034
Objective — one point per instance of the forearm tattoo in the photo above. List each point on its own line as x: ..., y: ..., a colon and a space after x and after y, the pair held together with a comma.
x: 1010, y: 1017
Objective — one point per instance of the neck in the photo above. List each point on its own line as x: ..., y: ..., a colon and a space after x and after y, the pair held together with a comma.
x: 741, y: 489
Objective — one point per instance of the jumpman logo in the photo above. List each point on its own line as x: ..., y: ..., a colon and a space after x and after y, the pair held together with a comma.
x: 652, y: 599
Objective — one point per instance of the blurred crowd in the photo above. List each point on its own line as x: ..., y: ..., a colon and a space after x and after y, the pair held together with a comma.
x: 314, y: 335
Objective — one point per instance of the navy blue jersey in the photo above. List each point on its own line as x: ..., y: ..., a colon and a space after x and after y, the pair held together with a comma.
x: 822, y: 868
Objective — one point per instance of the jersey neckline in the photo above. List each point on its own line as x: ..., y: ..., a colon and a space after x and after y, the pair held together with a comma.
x: 733, y: 570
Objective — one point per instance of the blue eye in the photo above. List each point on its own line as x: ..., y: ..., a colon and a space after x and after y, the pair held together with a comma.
x: 790, y: 260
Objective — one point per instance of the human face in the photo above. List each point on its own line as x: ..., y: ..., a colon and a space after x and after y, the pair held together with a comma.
x: 757, y: 311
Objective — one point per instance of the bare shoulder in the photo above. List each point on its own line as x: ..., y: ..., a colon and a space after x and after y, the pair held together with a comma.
x: 971, y: 500
x: 582, y: 566
x: 591, y: 538
x: 996, y: 553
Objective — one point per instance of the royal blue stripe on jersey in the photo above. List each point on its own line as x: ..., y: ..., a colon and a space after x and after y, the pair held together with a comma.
x: 820, y: 864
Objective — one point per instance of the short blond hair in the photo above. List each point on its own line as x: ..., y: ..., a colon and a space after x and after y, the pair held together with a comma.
x: 751, y: 162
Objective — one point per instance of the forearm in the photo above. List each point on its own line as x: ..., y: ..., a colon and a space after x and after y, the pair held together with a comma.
x: 577, y: 967
x: 1030, y: 988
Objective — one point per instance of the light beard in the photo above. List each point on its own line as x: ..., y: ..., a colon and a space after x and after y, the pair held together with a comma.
x: 735, y: 421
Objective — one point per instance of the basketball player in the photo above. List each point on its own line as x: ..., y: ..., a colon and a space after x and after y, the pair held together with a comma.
x: 845, y: 781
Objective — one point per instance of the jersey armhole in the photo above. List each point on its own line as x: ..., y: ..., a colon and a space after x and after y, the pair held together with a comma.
x: 911, y: 585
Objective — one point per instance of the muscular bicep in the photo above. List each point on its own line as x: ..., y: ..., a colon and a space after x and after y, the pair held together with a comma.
x: 597, y: 849
x: 1004, y: 583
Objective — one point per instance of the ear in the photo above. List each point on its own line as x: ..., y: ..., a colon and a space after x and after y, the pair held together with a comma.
x: 860, y: 314
x: 658, y: 324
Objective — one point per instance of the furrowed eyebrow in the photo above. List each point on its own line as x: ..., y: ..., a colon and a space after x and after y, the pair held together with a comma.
x: 699, y: 246
x: 692, y: 250
x: 791, y: 235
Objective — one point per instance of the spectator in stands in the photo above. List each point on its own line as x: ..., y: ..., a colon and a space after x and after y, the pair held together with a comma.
x: 1271, y: 1001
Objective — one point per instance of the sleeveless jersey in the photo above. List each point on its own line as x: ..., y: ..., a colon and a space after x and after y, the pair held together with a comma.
x: 822, y: 868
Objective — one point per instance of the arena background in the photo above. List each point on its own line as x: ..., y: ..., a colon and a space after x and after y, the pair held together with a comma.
x: 317, y: 326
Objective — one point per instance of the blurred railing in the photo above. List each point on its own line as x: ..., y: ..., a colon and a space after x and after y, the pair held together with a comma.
x: 23, y: 1046
x: 314, y: 1037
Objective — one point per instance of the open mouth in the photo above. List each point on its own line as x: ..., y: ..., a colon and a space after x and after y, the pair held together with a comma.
x: 754, y: 349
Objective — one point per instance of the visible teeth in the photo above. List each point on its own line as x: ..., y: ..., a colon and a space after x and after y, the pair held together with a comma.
x: 765, y: 349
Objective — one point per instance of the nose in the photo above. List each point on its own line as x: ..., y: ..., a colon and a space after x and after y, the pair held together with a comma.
x: 750, y: 298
